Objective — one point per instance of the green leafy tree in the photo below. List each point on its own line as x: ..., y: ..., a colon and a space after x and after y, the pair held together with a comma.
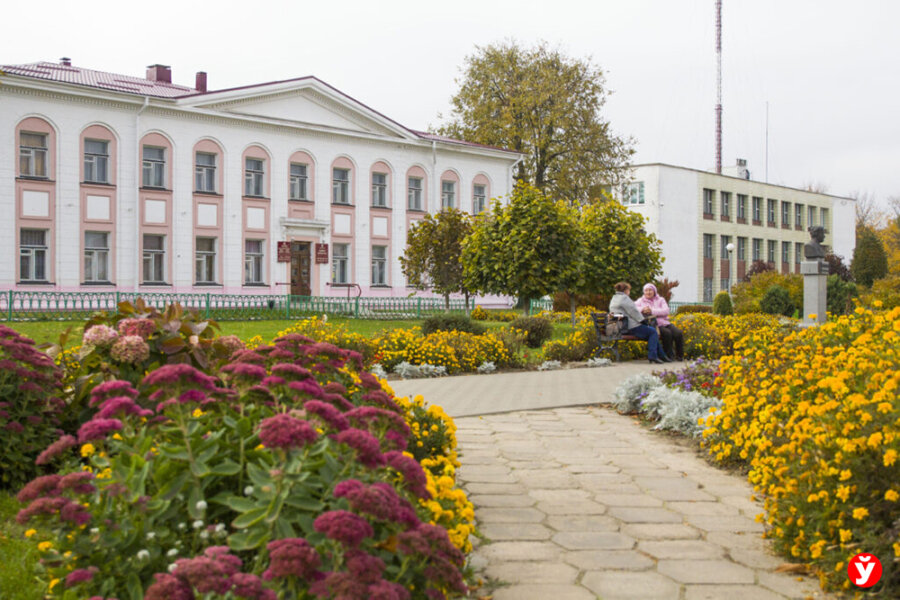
x: 722, y: 304
x: 869, y: 258
x: 546, y: 105
x: 616, y: 247
x: 528, y: 248
x: 431, y: 259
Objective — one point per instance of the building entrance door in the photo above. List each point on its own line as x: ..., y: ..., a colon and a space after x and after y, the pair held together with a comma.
x: 300, y: 269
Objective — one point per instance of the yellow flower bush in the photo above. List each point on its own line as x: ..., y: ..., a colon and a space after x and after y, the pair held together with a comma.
x: 339, y: 335
x: 714, y: 336
x: 815, y: 416
x: 479, y: 314
x: 457, y: 350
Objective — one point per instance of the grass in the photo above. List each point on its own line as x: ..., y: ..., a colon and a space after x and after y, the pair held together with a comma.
x: 18, y: 556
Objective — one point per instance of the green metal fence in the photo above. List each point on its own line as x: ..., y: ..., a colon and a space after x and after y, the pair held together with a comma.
x: 72, y: 306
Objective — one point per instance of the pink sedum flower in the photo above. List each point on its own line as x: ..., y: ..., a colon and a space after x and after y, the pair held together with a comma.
x: 286, y: 432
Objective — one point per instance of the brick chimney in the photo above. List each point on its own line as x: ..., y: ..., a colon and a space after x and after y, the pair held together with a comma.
x: 200, y: 81
x: 160, y: 73
x: 65, y: 61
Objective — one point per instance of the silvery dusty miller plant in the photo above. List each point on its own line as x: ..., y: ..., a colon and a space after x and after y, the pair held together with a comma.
x: 631, y: 391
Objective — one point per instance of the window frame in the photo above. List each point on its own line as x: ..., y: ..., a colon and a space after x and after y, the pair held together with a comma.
x: 211, y: 270
x: 723, y: 251
x: 92, y: 160
x: 379, y: 265
x: 742, y: 249
x: 340, y: 263
x: 725, y: 204
x: 798, y: 215
x: 340, y: 187
x: 742, y: 207
x: 97, y: 255
x: 205, y: 173
x: 254, y: 178
x: 708, y: 202
x: 785, y: 252
x: 35, y: 253
x: 478, y: 200
x: 448, y: 195
x: 157, y: 258
x: 300, y: 181
x: 757, y: 209
x: 30, y: 153
x: 785, y: 213
x: 823, y: 217
x: 771, y: 250
x: 707, y: 289
x: 379, y: 190
x: 757, y: 249
x: 708, y: 245
x: 254, y: 261
x: 414, y: 192
x: 152, y: 169
x: 771, y: 212
x: 811, y: 215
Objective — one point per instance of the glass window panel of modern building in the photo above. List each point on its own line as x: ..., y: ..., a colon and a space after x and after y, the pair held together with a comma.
x: 772, y: 248
x: 340, y: 186
x: 448, y: 194
x: 154, y: 258
x: 724, y: 254
x: 798, y: 215
x: 785, y: 252
x: 478, y: 199
x: 340, y: 263
x: 771, y: 213
x: 742, y: 248
x: 379, y: 265
x: 757, y: 249
x: 254, y: 267
x: 708, y: 202
x: 785, y: 214
x: 811, y: 216
x: 299, y: 182
x: 96, y: 161
x: 33, y: 254
x: 726, y: 204
x: 96, y: 256
x: 205, y: 260
x: 414, y: 193
x: 154, y: 167
x: 757, y: 210
x: 205, y: 172
x: 32, y: 154
x: 708, y: 245
x: 254, y: 177
x: 742, y: 207
x: 823, y: 213
x: 379, y: 189
x: 634, y: 193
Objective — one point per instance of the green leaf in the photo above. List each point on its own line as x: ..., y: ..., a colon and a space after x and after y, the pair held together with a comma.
x: 226, y: 467
x: 304, y: 503
x: 171, y: 488
x: 252, y: 516
x: 236, y: 503
x: 247, y: 540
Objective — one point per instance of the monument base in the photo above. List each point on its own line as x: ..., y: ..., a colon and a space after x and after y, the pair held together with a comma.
x: 815, y: 289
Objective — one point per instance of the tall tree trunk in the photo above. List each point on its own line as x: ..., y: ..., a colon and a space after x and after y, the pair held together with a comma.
x: 573, y: 304
x: 446, y: 302
x: 467, y: 303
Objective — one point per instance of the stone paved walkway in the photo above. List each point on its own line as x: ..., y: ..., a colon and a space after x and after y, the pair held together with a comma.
x: 579, y: 502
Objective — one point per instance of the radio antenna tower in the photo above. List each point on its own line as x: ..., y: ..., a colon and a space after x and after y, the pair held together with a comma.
x: 719, y: 87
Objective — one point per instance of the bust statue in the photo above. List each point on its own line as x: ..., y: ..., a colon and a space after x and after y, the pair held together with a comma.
x: 813, y: 249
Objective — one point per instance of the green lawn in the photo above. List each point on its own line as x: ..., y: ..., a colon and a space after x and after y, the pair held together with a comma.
x: 18, y: 556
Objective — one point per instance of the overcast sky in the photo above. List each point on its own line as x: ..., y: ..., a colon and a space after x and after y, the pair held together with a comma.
x: 829, y: 70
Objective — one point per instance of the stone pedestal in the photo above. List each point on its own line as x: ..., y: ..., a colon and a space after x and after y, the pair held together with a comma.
x: 815, y: 286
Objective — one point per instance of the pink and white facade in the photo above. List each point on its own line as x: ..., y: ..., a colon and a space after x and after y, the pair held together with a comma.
x: 137, y: 184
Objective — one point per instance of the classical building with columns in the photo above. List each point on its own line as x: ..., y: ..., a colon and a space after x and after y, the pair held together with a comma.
x: 699, y: 215
x: 120, y: 182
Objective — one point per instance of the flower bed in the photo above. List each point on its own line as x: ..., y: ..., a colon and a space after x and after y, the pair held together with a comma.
x: 283, y: 470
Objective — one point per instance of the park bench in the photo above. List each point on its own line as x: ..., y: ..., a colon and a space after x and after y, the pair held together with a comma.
x: 611, y: 329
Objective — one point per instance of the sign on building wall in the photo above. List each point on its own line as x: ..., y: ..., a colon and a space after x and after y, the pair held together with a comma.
x: 284, y: 252
x: 321, y: 254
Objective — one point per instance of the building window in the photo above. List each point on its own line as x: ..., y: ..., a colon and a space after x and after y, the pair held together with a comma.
x: 742, y: 248
x: 726, y: 204
x: 785, y: 214
x: 707, y: 289
x: 154, y: 258
x: 726, y: 283
x: 298, y: 182
x: 340, y: 189
x: 205, y: 260
x: 96, y: 161
x: 723, y: 253
x: 33, y: 254
x: 340, y: 263
x: 379, y: 265
x: 479, y: 198
x: 757, y: 209
x: 770, y: 213
x: 448, y: 194
x: 254, y: 175
x: 772, y: 249
x: 154, y: 167
x: 798, y: 252
x: 757, y: 249
x: 32, y: 154
x: 707, y: 246
x: 742, y: 207
x: 379, y: 189
x: 634, y: 193
x: 798, y: 216
x: 708, y: 202
x: 811, y: 214
x: 414, y: 193
x: 823, y: 212
x: 785, y: 252
x: 253, y: 261
x: 205, y: 172
x: 96, y: 256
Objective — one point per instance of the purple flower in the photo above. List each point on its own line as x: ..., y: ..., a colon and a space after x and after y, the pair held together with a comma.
x: 285, y: 431
x: 100, y: 336
x: 246, y: 371
x: 55, y: 449
x: 291, y: 371
x: 191, y: 396
x: 328, y: 413
x: 413, y: 475
x: 14, y: 427
x: 130, y: 349
x: 230, y: 563
x: 292, y: 557
x: 45, y: 485
x: 109, y: 389
x: 41, y: 506
x: 379, y: 500
x: 120, y: 405
x: 168, y: 587
x: 368, y: 450
x: 343, y: 526
x: 334, y: 387
x: 308, y: 386
x: 77, y: 481
x: 139, y: 327
x: 79, y: 575
x: 182, y: 375
x: 231, y: 343
x: 387, y: 590
x: 250, y: 587
x: 364, y: 566
x: 374, y: 418
x: 74, y: 512
x: 98, y: 429
x: 204, y: 574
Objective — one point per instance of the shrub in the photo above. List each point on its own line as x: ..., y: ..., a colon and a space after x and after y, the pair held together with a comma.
x: 869, y: 258
x: 839, y: 295
x: 712, y: 336
x: 576, y: 346
x: 537, y: 329
x: 700, y: 376
x: 550, y: 365
x: 322, y: 331
x: 503, y: 316
x: 722, y: 304
x: 884, y: 292
x: 291, y: 455
x: 665, y: 286
x: 479, y: 314
x: 777, y: 301
x: 30, y: 407
x: 408, y: 371
x: 678, y: 410
x: 457, y: 351
x: 747, y: 295
x: 814, y: 417
x: 694, y: 308
x: 633, y: 390
x: 451, y: 322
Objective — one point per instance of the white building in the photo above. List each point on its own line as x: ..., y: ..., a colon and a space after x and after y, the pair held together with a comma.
x: 114, y: 182
x: 696, y: 214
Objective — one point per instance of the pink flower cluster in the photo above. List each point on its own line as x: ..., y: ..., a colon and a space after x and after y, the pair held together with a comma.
x: 432, y: 544
x: 344, y: 527
x: 217, y: 571
x: 45, y: 497
x: 100, y: 336
x: 413, y: 475
x: 379, y: 500
x: 98, y: 429
x: 143, y: 328
x: 55, y: 449
x: 286, y: 432
x: 292, y: 557
x: 130, y: 349
x: 231, y: 343
x: 362, y: 581
x: 366, y: 445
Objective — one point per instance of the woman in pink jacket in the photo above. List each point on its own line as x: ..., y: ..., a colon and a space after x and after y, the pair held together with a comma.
x: 654, y: 305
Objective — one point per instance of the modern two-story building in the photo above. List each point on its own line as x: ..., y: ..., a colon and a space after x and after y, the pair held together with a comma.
x: 119, y: 182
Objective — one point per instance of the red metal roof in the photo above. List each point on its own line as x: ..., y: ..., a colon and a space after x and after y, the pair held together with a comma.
x: 98, y: 79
